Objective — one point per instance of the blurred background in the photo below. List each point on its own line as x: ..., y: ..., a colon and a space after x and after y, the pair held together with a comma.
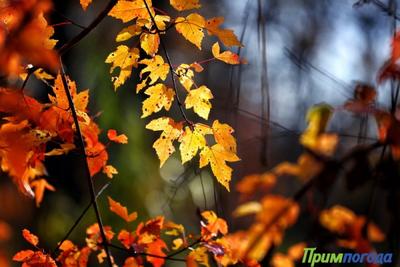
x: 299, y: 53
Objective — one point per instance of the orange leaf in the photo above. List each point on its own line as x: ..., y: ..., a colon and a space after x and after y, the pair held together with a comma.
x: 156, y: 248
x: 23, y: 255
x: 213, y: 225
x: 112, y: 135
x: 395, y: 47
x: 121, y: 211
x: 39, y: 187
x: 131, y: 262
x: 31, y: 238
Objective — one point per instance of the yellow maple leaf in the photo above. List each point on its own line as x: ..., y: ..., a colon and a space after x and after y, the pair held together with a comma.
x: 171, y: 131
x: 226, y: 36
x: 223, y: 135
x: 160, y: 97
x: 125, y: 58
x: 149, y: 43
x: 85, y: 3
x: 128, y: 32
x: 161, y: 22
x: 128, y: 10
x: 217, y: 156
x: 191, y: 28
x: 185, y: 75
x: 192, y: 141
x: 182, y: 5
x: 226, y: 56
x: 156, y: 68
x: 199, y: 100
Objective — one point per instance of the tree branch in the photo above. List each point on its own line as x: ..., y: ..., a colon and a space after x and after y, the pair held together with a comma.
x: 88, y: 29
x: 86, y: 166
x: 135, y: 253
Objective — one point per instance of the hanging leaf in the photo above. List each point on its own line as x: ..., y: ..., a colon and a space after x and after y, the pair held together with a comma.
x: 191, y: 28
x: 171, y: 131
x: 217, y: 156
x: 199, y: 100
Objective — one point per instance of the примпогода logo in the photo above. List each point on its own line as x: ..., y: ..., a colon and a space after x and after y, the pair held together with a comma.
x: 312, y: 257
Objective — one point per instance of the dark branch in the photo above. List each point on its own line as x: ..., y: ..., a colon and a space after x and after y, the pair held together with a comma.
x: 88, y: 29
x: 88, y: 177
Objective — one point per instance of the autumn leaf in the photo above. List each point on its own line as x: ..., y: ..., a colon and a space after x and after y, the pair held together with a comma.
x: 65, y: 148
x: 226, y: 36
x: 160, y: 97
x: 395, y: 55
x: 213, y: 225
x: 185, y: 76
x: 156, y: 248
x: 193, y: 141
x: 121, y: 211
x: 156, y: 68
x: 125, y: 59
x: 60, y: 99
x: 131, y: 262
x: 199, y: 100
x: 182, y: 5
x: 23, y: 255
x: 198, y: 255
x: 217, y: 156
x: 223, y: 135
x: 226, y: 56
x: 85, y: 3
x: 150, y: 42
x: 191, y: 28
x: 128, y: 32
x: 247, y: 209
x: 171, y: 131
x: 110, y: 170
x: 317, y: 119
x: 126, y: 10
x: 31, y: 238
x: 113, y: 136
x: 28, y: 40
x: 39, y: 186
x: 126, y: 238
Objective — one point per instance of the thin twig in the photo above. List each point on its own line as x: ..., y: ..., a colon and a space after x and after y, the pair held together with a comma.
x: 135, y: 253
x: 69, y: 20
x: 171, y: 68
x: 78, y: 220
x: 86, y: 166
x: 265, y: 94
x: 88, y: 29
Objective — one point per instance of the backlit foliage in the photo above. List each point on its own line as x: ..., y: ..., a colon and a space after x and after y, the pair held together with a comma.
x: 31, y: 131
x: 148, y: 27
